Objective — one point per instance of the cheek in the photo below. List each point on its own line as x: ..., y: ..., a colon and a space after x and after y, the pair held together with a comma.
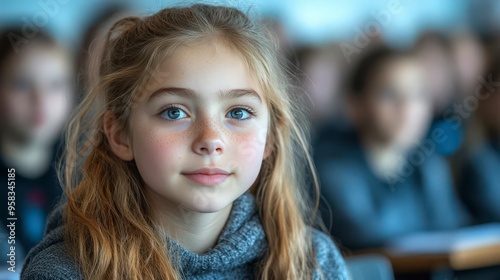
x: 383, y: 113
x: 157, y: 154
x: 418, y: 114
x: 250, y: 145
x: 59, y: 104
x: 18, y: 107
x: 247, y: 152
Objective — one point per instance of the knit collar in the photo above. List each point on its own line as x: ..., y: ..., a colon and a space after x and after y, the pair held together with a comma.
x: 242, y: 241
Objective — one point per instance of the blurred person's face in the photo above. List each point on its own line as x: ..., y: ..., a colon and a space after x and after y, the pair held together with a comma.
x: 439, y: 72
x: 396, y: 108
x: 469, y: 57
x: 35, y: 93
x: 322, y: 85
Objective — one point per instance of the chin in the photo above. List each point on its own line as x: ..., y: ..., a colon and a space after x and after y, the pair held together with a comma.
x: 208, y: 204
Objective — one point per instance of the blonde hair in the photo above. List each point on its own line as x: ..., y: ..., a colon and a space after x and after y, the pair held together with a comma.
x: 109, y: 226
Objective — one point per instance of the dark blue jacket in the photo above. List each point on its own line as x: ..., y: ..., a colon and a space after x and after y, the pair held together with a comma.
x: 368, y: 211
x: 480, y: 184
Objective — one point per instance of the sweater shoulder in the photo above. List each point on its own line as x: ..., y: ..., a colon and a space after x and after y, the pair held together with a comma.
x: 50, y: 262
x: 328, y: 257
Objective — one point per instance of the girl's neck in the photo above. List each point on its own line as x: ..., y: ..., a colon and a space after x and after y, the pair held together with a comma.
x: 197, y: 232
x: 30, y: 158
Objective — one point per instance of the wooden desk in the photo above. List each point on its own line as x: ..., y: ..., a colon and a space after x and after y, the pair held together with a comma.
x: 467, y: 248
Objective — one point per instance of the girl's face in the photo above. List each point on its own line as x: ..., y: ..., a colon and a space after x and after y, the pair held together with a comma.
x: 35, y: 93
x: 198, y: 134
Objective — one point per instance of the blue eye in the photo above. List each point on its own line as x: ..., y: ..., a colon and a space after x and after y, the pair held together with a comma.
x: 239, y: 114
x: 173, y: 114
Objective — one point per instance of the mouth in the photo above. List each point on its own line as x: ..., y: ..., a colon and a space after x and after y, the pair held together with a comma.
x: 209, y: 177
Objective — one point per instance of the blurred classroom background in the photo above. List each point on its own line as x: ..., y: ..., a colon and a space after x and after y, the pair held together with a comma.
x: 404, y: 105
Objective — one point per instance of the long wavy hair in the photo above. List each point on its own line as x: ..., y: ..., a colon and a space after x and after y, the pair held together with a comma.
x: 110, y: 230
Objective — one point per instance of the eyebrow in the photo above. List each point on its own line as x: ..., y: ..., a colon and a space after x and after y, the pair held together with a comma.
x: 185, y: 92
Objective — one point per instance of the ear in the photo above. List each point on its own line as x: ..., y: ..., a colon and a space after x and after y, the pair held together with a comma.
x: 117, y: 139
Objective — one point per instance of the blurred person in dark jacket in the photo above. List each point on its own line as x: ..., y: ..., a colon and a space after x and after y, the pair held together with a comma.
x: 384, y: 179
x: 480, y: 183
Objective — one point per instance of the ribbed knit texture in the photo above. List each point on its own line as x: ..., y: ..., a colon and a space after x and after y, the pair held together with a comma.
x: 241, y: 245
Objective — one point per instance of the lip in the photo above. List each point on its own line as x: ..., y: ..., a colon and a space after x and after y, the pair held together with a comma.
x: 209, y: 177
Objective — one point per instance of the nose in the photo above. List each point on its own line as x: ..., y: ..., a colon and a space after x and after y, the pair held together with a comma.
x: 36, y: 95
x: 208, y: 140
x: 38, y: 99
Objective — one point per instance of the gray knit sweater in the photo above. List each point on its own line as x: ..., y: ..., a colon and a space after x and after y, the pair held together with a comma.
x: 241, y: 245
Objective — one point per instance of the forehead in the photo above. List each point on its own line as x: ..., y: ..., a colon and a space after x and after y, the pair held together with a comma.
x: 37, y: 57
x: 402, y: 68
x: 207, y: 67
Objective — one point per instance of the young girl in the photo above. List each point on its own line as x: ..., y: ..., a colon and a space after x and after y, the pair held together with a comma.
x: 186, y: 161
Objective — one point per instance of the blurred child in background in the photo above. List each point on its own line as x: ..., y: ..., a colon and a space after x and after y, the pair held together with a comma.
x: 380, y: 180
x: 480, y: 184
x: 321, y: 72
x: 92, y: 46
x: 470, y: 59
x: 435, y: 51
x: 35, y: 100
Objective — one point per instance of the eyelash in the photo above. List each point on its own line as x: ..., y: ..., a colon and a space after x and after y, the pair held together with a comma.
x: 165, y: 108
x: 251, y: 111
